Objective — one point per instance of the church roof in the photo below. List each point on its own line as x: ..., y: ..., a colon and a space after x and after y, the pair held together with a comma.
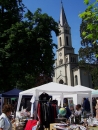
x: 63, y: 19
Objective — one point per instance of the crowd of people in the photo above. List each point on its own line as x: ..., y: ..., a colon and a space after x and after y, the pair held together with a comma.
x: 80, y: 109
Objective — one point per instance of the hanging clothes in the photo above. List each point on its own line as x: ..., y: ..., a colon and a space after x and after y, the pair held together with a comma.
x: 46, y: 110
x: 30, y: 124
x: 47, y: 113
x: 44, y: 97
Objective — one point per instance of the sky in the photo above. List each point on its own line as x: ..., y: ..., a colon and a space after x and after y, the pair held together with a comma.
x: 72, y: 9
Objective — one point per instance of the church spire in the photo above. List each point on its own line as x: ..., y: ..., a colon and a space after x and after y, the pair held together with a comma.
x: 63, y: 19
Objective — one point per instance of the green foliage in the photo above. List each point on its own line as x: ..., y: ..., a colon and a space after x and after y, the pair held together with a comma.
x: 96, y: 88
x: 26, y: 47
x: 89, y: 35
x: 90, y: 18
x: 86, y: 2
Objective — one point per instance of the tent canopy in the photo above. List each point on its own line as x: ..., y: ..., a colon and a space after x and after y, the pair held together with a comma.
x: 95, y: 93
x: 12, y: 93
x: 53, y: 89
x: 84, y: 88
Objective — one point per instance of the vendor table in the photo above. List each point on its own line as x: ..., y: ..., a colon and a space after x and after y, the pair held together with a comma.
x: 94, y: 128
x: 53, y: 128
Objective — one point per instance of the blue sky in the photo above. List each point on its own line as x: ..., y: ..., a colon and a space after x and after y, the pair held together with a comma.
x: 52, y: 8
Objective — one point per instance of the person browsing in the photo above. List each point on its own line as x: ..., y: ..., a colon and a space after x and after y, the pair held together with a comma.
x: 5, y: 123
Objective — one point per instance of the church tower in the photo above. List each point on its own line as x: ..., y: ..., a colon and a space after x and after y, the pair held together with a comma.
x: 66, y: 59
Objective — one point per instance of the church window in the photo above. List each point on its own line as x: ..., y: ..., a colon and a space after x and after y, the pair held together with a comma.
x: 56, y: 63
x: 71, y: 59
x: 54, y: 74
x: 61, y: 82
x: 66, y: 60
x: 60, y: 54
x: 67, y: 31
x: 76, y: 80
x: 61, y: 61
x: 60, y: 40
x: 59, y: 31
x: 75, y: 59
x: 67, y: 41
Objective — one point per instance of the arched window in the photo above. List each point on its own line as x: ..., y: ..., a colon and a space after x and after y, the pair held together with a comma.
x: 76, y: 80
x: 66, y: 60
x: 66, y: 31
x: 67, y: 42
x: 56, y: 63
x: 61, y: 62
x: 60, y: 40
x: 75, y: 59
x: 61, y: 81
x: 71, y: 59
x: 54, y: 74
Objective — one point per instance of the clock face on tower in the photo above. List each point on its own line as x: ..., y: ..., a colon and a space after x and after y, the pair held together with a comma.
x: 60, y: 54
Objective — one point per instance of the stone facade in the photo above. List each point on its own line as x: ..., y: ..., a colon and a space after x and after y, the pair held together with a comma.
x: 66, y: 69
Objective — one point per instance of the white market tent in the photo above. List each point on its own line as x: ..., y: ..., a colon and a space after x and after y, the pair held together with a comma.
x: 81, y: 96
x: 95, y: 93
x: 55, y: 89
x: 84, y: 88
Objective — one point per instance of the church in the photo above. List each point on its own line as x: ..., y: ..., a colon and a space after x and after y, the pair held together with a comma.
x: 67, y: 70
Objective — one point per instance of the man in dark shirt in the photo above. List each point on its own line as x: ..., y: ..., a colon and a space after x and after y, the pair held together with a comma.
x: 68, y: 111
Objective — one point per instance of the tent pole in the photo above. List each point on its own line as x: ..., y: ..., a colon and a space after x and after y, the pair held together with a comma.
x: 19, y: 101
x: 90, y: 95
x: 62, y: 96
x: 1, y: 103
x: 36, y: 103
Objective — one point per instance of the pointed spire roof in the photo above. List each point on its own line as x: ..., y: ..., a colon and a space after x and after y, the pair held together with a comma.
x: 63, y: 19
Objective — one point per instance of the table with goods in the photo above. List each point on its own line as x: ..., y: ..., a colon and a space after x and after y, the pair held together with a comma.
x: 85, y: 124
x: 21, y: 120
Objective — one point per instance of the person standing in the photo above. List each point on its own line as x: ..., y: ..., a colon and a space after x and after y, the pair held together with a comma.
x: 5, y: 123
x: 94, y: 104
x: 86, y: 106
x: 68, y: 112
x: 0, y: 105
x: 78, y: 110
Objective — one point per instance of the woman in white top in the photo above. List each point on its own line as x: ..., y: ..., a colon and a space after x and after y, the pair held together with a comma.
x: 5, y: 123
x: 78, y: 110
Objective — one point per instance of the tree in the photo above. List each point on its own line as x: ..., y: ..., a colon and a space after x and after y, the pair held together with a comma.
x: 28, y: 50
x: 10, y: 13
x: 88, y: 53
x: 42, y: 79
